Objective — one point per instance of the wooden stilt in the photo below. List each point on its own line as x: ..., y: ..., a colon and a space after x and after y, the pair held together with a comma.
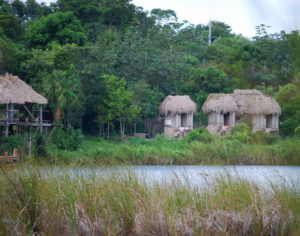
x: 41, y: 118
x: 23, y: 140
x: 29, y: 142
x: 7, y: 118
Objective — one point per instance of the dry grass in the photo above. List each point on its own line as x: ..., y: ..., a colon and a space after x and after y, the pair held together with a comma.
x: 47, y: 202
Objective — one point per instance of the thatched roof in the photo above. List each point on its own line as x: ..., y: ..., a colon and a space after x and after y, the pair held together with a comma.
x: 220, y: 103
x: 254, y: 102
x: 177, y: 105
x: 14, y: 90
x: 243, y: 102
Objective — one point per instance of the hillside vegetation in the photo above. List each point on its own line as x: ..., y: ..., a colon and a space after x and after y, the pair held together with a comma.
x: 105, y: 66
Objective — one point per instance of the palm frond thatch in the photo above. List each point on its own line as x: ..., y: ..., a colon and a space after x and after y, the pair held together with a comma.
x: 177, y: 105
x: 219, y: 103
x: 250, y: 102
x: 14, y: 90
x: 253, y: 102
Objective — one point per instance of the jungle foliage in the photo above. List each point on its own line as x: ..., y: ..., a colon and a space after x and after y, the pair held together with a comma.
x: 68, y: 51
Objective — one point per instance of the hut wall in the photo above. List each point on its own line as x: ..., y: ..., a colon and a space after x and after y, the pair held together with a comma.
x: 215, y: 118
x: 187, y: 120
x: 232, y: 119
x: 191, y: 121
x: 258, y: 122
x: 173, y: 121
x: 275, y: 122
x: 173, y: 124
x: 177, y: 121
x: 184, y: 120
x: 215, y: 122
x: 170, y: 131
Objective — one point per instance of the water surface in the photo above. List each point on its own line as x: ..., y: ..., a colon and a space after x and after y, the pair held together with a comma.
x: 203, y: 175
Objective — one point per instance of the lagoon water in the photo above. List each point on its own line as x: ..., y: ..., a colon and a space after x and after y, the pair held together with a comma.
x: 202, y: 175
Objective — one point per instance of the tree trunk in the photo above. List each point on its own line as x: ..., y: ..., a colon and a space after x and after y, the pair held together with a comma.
x: 108, y: 130
x: 121, y: 130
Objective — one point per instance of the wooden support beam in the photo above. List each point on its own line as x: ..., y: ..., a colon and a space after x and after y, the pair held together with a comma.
x: 41, y: 119
x: 32, y: 116
x: 29, y: 141
x: 7, y: 117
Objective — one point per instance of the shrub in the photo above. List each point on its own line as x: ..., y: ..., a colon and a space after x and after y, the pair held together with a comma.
x: 11, y: 142
x: 241, y: 132
x: 260, y: 137
x: 200, y: 134
x: 68, y: 140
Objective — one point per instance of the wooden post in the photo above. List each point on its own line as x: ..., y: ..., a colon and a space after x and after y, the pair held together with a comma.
x: 6, y: 154
x: 29, y: 141
x: 23, y: 140
x: 15, y: 153
x: 41, y: 118
x: 7, y: 119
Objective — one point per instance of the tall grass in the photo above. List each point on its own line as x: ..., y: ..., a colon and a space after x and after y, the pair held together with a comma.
x: 158, y: 151
x: 50, y: 202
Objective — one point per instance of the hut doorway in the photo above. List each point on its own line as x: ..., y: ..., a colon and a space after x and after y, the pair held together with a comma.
x: 226, y: 119
x: 184, y: 120
x: 269, y: 121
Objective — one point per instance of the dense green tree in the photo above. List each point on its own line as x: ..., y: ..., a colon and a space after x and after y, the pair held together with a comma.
x: 9, y: 57
x: 288, y: 98
x: 56, y: 28
x: 71, y: 44
x: 11, y: 26
x: 206, y: 81
x: 109, y: 12
x: 63, y: 89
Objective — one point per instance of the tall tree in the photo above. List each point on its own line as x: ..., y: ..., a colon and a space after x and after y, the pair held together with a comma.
x: 56, y: 28
x: 119, y: 102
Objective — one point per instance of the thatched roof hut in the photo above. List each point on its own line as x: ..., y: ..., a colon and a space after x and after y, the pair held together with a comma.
x: 253, y: 102
x: 177, y: 105
x: 219, y: 103
x: 14, y: 90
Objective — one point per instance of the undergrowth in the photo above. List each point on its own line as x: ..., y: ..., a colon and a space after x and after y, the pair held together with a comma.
x: 45, y: 201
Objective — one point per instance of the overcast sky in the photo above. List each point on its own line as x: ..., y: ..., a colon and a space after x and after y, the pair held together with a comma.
x: 241, y: 15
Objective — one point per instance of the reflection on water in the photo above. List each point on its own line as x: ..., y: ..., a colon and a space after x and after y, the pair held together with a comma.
x: 202, y: 175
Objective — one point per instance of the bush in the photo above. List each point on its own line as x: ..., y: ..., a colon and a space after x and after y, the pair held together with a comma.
x: 240, y: 132
x: 200, y: 134
x: 9, y: 143
x: 67, y: 140
x: 260, y: 137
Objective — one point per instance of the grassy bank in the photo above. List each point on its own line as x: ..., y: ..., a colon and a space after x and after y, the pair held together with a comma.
x: 139, y: 151
x: 35, y: 201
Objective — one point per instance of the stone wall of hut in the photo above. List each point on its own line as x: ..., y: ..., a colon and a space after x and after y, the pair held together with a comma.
x: 173, y: 124
x: 216, y: 122
x: 260, y: 122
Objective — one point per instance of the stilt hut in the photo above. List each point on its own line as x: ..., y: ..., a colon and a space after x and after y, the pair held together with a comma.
x: 250, y: 106
x: 178, y: 115
x: 14, y: 91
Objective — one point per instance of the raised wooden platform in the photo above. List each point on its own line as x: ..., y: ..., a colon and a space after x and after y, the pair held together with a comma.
x: 9, y: 159
x: 13, y: 158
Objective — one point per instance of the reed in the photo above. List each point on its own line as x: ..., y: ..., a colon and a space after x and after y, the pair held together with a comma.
x: 161, y: 151
x: 52, y: 201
